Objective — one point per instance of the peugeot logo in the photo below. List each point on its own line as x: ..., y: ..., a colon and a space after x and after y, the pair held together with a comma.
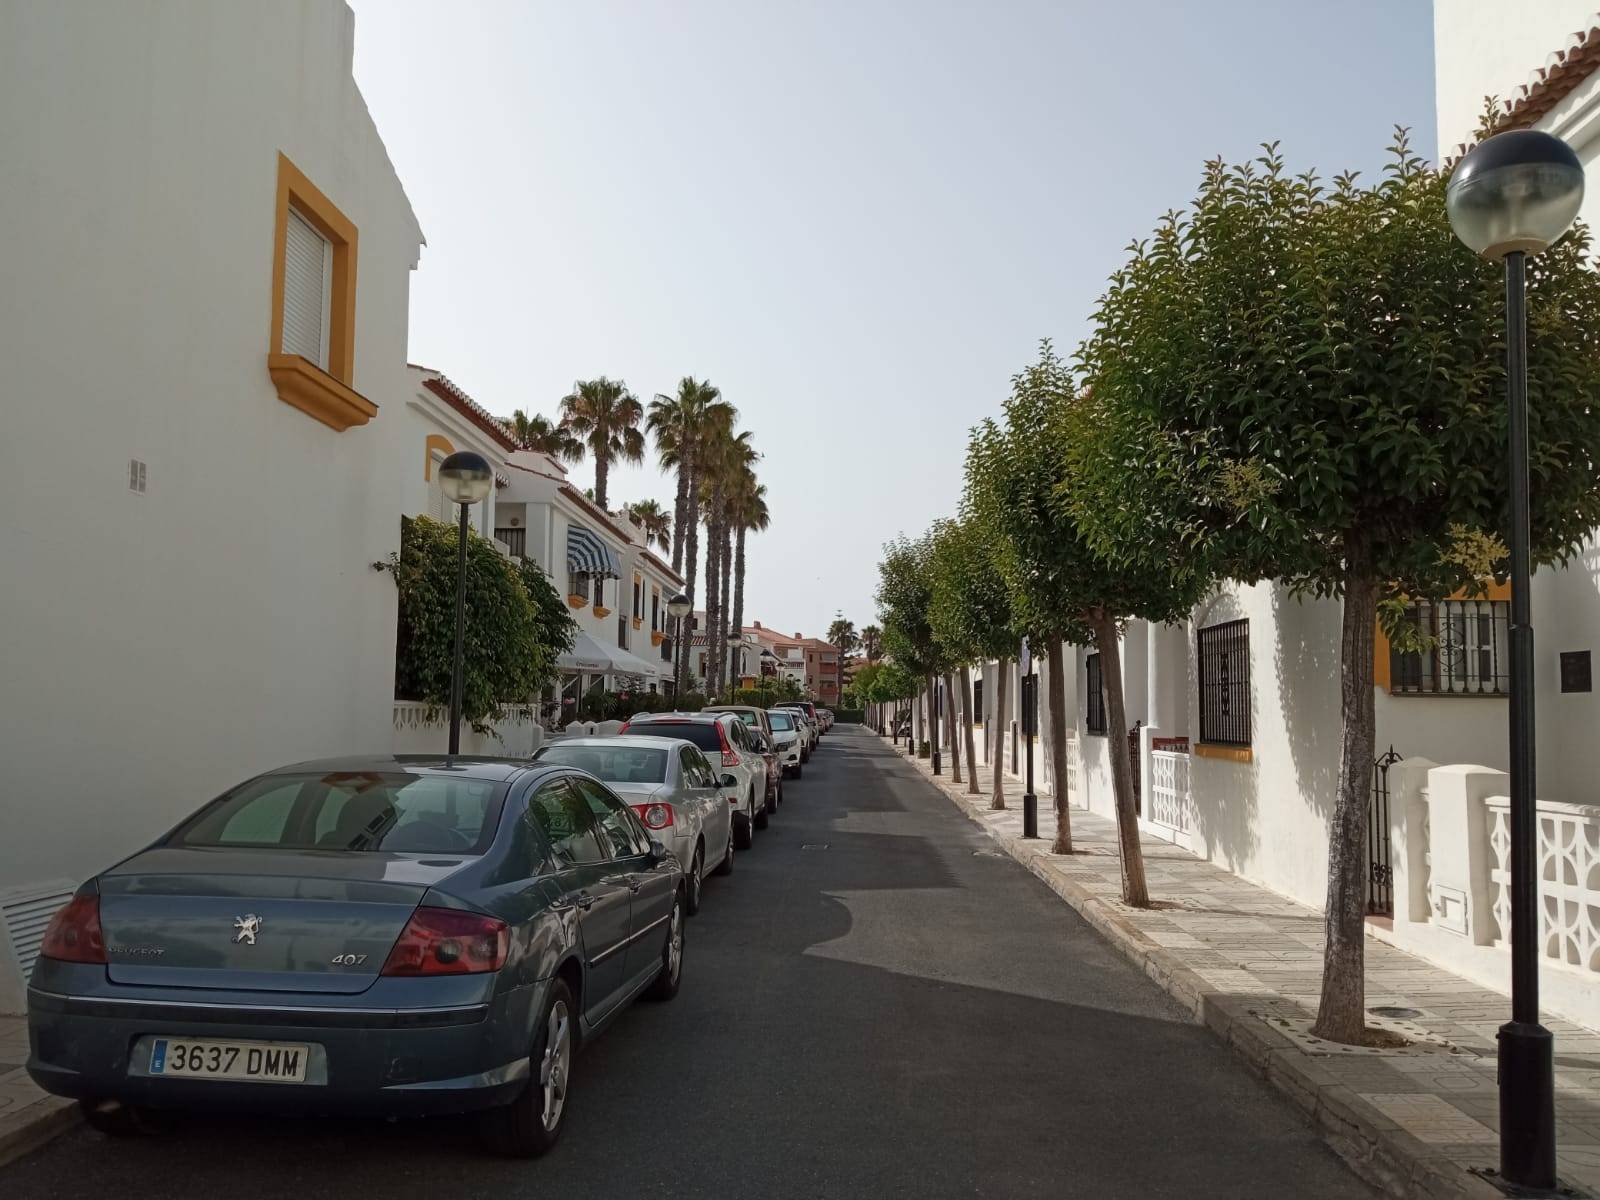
x: 248, y: 926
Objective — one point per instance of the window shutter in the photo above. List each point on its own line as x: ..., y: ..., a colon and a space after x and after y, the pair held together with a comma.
x: 305, y: 291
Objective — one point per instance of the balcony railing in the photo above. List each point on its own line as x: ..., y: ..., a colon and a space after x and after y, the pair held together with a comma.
x: 516, y: 541
x: 1469, y: 653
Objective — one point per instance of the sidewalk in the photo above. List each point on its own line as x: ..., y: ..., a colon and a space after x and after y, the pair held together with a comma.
x: 1248, y: 963
x: 28, y: 1117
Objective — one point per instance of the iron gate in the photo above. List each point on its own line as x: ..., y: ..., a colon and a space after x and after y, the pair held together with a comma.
x: 1380, y: 871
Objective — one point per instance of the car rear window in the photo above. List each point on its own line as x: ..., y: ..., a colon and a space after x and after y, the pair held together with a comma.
x: 614, y: 764
x: 702, y: 733
x: 780, y: 721
x: 356, y: 811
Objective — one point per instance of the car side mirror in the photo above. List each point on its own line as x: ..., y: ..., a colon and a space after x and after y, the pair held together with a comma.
x: 657, y: 851
x: 728, y: 781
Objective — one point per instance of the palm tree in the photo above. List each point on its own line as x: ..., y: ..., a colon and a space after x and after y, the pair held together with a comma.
x: 713, y: 423
x: 872, y: 642
x: 678, y: 424
x: 652, y: 520
x: 724, y: 459
x: 750, y: 516
x: 605, y: 415
x: 540, y: 433
x: 842, y: 633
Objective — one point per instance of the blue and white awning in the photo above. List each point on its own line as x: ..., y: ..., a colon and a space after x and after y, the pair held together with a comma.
x: 588, y: 554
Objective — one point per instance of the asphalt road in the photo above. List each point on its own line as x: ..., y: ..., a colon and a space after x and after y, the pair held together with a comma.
x: 875, y: 1004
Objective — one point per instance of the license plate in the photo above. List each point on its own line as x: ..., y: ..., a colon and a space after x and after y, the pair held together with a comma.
x: 258, y: 1062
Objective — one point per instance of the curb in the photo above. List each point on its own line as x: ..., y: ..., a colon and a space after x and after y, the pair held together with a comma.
x: 43, y: 1122
x: 1375, y: 1148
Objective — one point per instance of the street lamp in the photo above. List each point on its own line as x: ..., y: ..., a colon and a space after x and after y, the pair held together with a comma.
x: 1029, y: 689
x: 938, y: 714
x: 1512, y: 196
x: 678, y: 607
x: 735, y: 643
x: 465, y: 478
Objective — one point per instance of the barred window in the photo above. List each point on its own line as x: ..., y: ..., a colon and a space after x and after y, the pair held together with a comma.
x: 1469, y: 655
x: 1225, y: 683
x: 1096, y: 694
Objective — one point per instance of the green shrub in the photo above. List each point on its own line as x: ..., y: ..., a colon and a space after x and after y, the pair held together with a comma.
x: 849, y: 716
x: 689, y: 702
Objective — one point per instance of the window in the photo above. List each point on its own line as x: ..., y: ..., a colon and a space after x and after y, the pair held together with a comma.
x: 614, y: 764
x: 622, y: 631
x: 578, y: 584
x: 696, y: 770
x: 1095, y: 695
x: 1469, y: 655
x: 1224, y: 652
x: 565, y: 820
x: 977, y: 701
x: 655, y: 611
x: 781, y: 722
x: 701, y: 733
x: 362, y: 811
x: 621, y: 830
x: 311, y: 343
x: 638, y: 598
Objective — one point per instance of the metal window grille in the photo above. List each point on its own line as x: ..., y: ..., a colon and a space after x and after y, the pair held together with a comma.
x: 1225, y: 683
x: 1469, y: 652
x: 516, y: 540
x: 1095, y: 720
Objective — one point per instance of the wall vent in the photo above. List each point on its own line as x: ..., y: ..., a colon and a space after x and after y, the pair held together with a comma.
x: 25, y: 913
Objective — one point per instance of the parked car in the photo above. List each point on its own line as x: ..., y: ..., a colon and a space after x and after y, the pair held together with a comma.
x: 397, y: 936
x: 752, y: 716
x: 769, y: 753
x: 722, y: 737
x: 674, y: 790
x: 788, y: 738
x: 826, y: 714
x: 810, y: 709
x: 808, y: 725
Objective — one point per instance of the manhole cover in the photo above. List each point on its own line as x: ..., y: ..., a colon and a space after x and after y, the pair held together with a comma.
x: 815, y: 846
x: 1395, y: 1013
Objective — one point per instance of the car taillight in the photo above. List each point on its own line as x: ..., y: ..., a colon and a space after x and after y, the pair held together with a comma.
x: 442, y: 941
x: 654, y: 816
x: 73, y: 934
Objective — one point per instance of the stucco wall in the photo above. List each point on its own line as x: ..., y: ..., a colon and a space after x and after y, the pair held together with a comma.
x: 156, y: 648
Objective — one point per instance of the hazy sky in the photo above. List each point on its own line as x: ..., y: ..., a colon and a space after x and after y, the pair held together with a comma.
x: 857, y: 218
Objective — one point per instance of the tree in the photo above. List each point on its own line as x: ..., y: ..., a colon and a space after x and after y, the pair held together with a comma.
x: 969, y: 610
x: 605, y: 415
x: 652, y: 521
x: 679, y: 423
x: 1305, y: 382
x: 516, y: 624
x: 842, y: 633
x: 724, y: 460
x: 541, y: 434
x: 904, y: 595
x: 750, y: 516
x: 872, y: 642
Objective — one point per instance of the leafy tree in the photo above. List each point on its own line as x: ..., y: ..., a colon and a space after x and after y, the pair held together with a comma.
x: 515, y: 627
x: 969, y: 611
x: 605, y: 416
x: 541, y: 434
x: 1304, y: 382
x: 904, y: 596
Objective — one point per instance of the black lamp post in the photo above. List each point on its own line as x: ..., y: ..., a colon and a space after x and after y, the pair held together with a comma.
x: 465, y: 478
x: 1029, y: 694
x: 678, y: 607
x: 937, y: 707
x: 1512, y: 196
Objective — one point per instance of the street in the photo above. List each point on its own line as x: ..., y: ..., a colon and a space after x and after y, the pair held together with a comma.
x: 875, y: 1004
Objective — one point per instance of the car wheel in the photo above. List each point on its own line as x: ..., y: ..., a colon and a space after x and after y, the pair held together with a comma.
x: 531, y: 1124
x: 743, y: 837
x: 797, y: 769
x: 725, y: 867
x: 760, y: 818
x: 666, y: 985
x: 696, y: 880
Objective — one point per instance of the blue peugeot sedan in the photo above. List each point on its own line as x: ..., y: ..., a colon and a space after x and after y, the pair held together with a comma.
x: 396, y: 936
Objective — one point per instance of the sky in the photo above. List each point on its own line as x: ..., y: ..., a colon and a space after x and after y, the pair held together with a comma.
x: 856, y: 217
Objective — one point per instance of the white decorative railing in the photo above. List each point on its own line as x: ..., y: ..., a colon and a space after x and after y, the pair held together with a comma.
x: 1569, y: 879
x: 1169, y: 789
x: 1074, y: 772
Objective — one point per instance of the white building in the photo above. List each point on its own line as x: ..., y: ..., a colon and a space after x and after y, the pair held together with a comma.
x: 205, y: 421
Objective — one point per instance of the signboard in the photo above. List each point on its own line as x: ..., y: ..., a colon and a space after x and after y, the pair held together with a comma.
x: 1575, y: 671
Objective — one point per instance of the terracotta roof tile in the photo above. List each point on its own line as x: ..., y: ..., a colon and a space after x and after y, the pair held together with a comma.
x: 442, y: 387
x: 1555, y: 81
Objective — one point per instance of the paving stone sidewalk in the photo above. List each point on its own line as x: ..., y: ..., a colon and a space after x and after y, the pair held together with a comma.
x: 28, y: 1117
x: 1247, y: 962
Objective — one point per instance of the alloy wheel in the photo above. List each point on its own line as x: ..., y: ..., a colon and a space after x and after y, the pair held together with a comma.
x: 557, y: 1062
x: 675, y: 943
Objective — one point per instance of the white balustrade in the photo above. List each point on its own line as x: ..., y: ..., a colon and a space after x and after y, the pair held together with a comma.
x: 1569, y: 879
x: 1169, y: 790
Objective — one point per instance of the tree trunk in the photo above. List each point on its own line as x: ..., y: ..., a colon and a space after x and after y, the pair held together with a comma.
x: 602, y: 472
x: 950, y: 726
x: 1134, y: 890
x: 726, y: 675
x: 1341, y: 1015
x: 933, y: 711
x: 997, y: 794
x: 713, y: 600
x: 1058, y: 746
x: 966, y: 732
x: 691, y: 554
x: 680, y: 513
x: 738, y: 594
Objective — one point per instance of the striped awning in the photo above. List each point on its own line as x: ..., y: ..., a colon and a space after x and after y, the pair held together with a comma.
x: 587, y: 553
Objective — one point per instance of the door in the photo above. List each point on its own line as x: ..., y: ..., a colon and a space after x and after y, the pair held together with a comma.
x: 587, y: 883
x: 653, y: 884
x: 700, y: 782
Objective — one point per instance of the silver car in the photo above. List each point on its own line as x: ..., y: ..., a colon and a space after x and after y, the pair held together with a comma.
x: 787, y: 737
x: 672, y: 787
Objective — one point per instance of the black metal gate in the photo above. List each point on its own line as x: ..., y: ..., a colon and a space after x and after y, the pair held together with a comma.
x: 1380, y: 871
x: 1133, y: 760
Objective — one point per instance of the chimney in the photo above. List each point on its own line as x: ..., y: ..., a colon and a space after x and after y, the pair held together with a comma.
x: 799, y: 637
x: 758, y: 624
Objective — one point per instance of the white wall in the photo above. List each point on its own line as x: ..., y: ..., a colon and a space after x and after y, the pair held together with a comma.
x: 1491, y: 47
x: 157, y: 648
